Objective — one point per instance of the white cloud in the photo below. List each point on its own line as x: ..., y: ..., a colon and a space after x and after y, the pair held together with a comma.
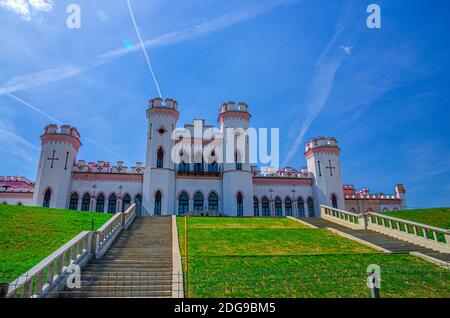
x: 25, y: 8
x: 347, y: 49
x: 19, y: 7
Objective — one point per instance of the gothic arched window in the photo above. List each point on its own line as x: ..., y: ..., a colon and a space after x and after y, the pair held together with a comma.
x: 160, y: 158
x: 278, y: 207
x: 157, y: 209
x: 86, y: 202
x: 240, y: 204
x: 198, y: 201
x: 310, y: 203
x: 126, y: 202
x: 73, y: 204
x: 238, y: 161
x: 255, y: 206
x: 334, y: 201
x: 138, y: 201
x: 265, y: 207
x: 112, y: 204
x: 288, y: 206
x: 183, y: 204
x: 301, y: 207
x: 213, y: 202
x: 100, y: 204
x: 47, y: 197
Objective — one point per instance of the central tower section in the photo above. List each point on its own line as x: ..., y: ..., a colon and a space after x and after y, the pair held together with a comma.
x: 159, y: 175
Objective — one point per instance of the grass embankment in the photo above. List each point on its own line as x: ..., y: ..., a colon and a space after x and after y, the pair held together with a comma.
x: 232, y: 257
x: 439, y: 217
x: 30, y: 234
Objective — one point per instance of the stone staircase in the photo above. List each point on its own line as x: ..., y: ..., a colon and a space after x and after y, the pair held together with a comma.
x: 389, y: 243
x: 138, y: 264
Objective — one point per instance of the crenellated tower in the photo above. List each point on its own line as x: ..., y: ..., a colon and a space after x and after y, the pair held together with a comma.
x: 237, y: 175
x: 322, y: 157
x: 59, y: 149
x: 159, y: 175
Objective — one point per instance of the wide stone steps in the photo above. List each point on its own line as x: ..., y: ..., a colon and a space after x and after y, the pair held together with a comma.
x: 384, y: 241
x: 138, y: 263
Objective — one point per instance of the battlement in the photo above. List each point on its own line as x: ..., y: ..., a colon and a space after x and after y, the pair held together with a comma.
x: 160, y: 103
x: 287, y: 172
x: 15, y: 184
x: 66, y: 130
x: 321, y: 142
x: 231, y: 106
x: 105, y: 167
x: 364, y: 194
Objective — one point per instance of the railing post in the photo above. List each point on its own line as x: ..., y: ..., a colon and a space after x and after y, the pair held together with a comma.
x: 4, y: 290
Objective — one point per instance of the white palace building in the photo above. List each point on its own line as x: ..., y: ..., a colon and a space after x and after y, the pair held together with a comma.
x: 165, y: 187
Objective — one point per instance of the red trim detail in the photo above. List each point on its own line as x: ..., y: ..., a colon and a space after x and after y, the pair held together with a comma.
x: 323, y: 149
x: 267, y: 181
x: 119, y: 177
x: 62, y: 138
x: 233, y: 114
x: 165, y: 112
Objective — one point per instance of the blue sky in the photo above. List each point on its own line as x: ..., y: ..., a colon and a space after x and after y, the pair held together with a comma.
x: 311, y: 68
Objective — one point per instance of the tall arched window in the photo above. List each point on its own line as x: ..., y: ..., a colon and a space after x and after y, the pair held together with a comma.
x: 255, y: 206
x: 86, y: 202
x: 198, y: 201
x: 238, y: 161
x: 73, y: 204
x: 301, y: 207
x: 183, y: 204
x: 47, y: 197
x: 158, y: 197
x: 213, y: 202
x: 112, y: 204
x: 288, y: 206
x: 138, y: 201
x: 100, y: 204
x: 310, y: 203
x: 198, y: 165
x: 126, y: 202
x: 334, y: 201
x: 240, y: 204
x: 265, y: 207
x: 160, y: 158
x: 278, y: 207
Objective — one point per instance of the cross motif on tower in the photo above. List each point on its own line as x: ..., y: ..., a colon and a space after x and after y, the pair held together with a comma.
x: 330, y: 167
x: 53, y: 158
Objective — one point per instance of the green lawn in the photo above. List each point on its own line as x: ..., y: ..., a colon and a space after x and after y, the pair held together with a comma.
x: 436, y: 217
x: 232, y: 257
x: 30, y: 234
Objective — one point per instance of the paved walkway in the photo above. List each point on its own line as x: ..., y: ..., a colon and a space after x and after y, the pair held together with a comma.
x: 388, y: 243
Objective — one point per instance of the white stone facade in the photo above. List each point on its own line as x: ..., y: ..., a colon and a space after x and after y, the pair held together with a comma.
x: 166, y: 187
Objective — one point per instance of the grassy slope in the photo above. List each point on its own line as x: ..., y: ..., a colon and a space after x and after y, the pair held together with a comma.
x: 282, y: 258
x: 29, y: 234
x: 435, y: 217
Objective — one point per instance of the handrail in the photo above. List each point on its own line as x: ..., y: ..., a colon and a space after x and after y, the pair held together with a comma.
x: 428, y: 227
x: 346, y: 218
x: 44, y: 276
x: 39, y: 279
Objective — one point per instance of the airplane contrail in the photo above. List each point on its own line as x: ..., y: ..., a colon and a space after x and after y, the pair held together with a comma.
x: 143, y: 48
x: 59, y: 122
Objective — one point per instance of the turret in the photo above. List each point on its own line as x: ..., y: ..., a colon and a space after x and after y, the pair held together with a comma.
x: 159, y: 174
x: 401, y: 193
x: 59, y: 149
x: 322, y: 157
x: 237, y: 176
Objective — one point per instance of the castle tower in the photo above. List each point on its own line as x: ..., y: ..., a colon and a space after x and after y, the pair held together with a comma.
x: 322, y: 157
x: 59, y: 149
x: 401, y: 194
x: 159, y: 175
x: 237, y: 176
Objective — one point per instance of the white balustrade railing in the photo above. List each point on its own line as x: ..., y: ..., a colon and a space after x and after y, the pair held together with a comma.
x: 51, y: 272
x: 50, y: 275
x: 345, y: 218
x: 417, y: 233
x: 421, y: 234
